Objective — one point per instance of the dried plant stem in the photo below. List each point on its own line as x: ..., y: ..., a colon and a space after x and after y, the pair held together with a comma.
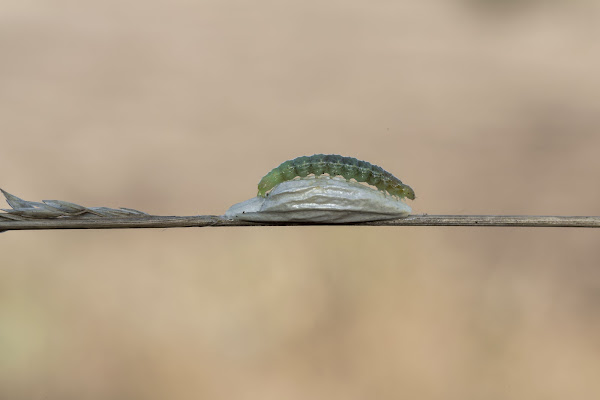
x: 151, y: 221
x: 58, y: 214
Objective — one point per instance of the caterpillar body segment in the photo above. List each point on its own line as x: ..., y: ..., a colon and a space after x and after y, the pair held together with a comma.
x: 335, y: 165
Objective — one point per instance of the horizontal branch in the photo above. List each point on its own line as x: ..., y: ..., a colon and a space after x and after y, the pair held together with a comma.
x: 151, y: 221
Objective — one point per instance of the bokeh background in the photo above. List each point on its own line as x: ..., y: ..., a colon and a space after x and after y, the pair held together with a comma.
x: 180, y: 107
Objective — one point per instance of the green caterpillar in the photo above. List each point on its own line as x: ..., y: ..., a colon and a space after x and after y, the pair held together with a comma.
x: 334, y: 165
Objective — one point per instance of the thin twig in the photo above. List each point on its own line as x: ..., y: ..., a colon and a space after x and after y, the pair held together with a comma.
x: 152, y: 221
x: 58, y: 214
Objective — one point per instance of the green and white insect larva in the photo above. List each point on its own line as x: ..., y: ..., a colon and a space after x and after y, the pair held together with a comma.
x: 334, y: 165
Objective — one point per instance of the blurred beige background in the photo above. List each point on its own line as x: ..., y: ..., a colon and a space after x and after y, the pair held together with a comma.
x: 180, y: 107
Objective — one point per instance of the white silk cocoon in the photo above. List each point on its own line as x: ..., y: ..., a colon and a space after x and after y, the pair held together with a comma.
x: 320, y: 200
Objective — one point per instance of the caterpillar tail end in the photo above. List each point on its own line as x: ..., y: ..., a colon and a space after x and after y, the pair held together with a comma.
x: 409, y: 192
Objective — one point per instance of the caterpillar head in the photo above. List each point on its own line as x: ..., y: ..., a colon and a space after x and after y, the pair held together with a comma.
x: 262, y: 189
x: 268, y: 182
